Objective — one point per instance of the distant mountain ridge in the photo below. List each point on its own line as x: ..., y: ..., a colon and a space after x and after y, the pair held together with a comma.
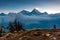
x: 24, y: 12
x: 33, y: 12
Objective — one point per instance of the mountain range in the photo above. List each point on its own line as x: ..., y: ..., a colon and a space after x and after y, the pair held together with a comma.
x: 33, y: 19
x: 33, y: 12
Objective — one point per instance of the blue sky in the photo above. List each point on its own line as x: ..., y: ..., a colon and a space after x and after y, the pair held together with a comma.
x: 50, y: 6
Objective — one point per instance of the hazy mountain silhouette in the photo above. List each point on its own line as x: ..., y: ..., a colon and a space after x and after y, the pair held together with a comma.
x: 33, y: 12
x: 2, y: 14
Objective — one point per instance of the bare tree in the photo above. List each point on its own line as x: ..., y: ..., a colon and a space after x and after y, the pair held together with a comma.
x: 11, y: 27
x: 18, y: 25
x: 1, y: 30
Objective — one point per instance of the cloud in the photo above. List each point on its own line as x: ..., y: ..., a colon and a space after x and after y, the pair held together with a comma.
x: 43, y: 21
x: 29, y: 22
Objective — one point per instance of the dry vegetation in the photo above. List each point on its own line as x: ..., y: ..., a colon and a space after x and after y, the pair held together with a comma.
x: 36, y: 34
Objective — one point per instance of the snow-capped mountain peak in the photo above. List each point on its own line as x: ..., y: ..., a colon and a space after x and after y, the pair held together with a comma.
x: 35, y: 10
x: 24, y: 12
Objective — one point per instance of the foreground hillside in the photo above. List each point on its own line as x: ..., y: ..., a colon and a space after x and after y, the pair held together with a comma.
x: 36, y: 34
